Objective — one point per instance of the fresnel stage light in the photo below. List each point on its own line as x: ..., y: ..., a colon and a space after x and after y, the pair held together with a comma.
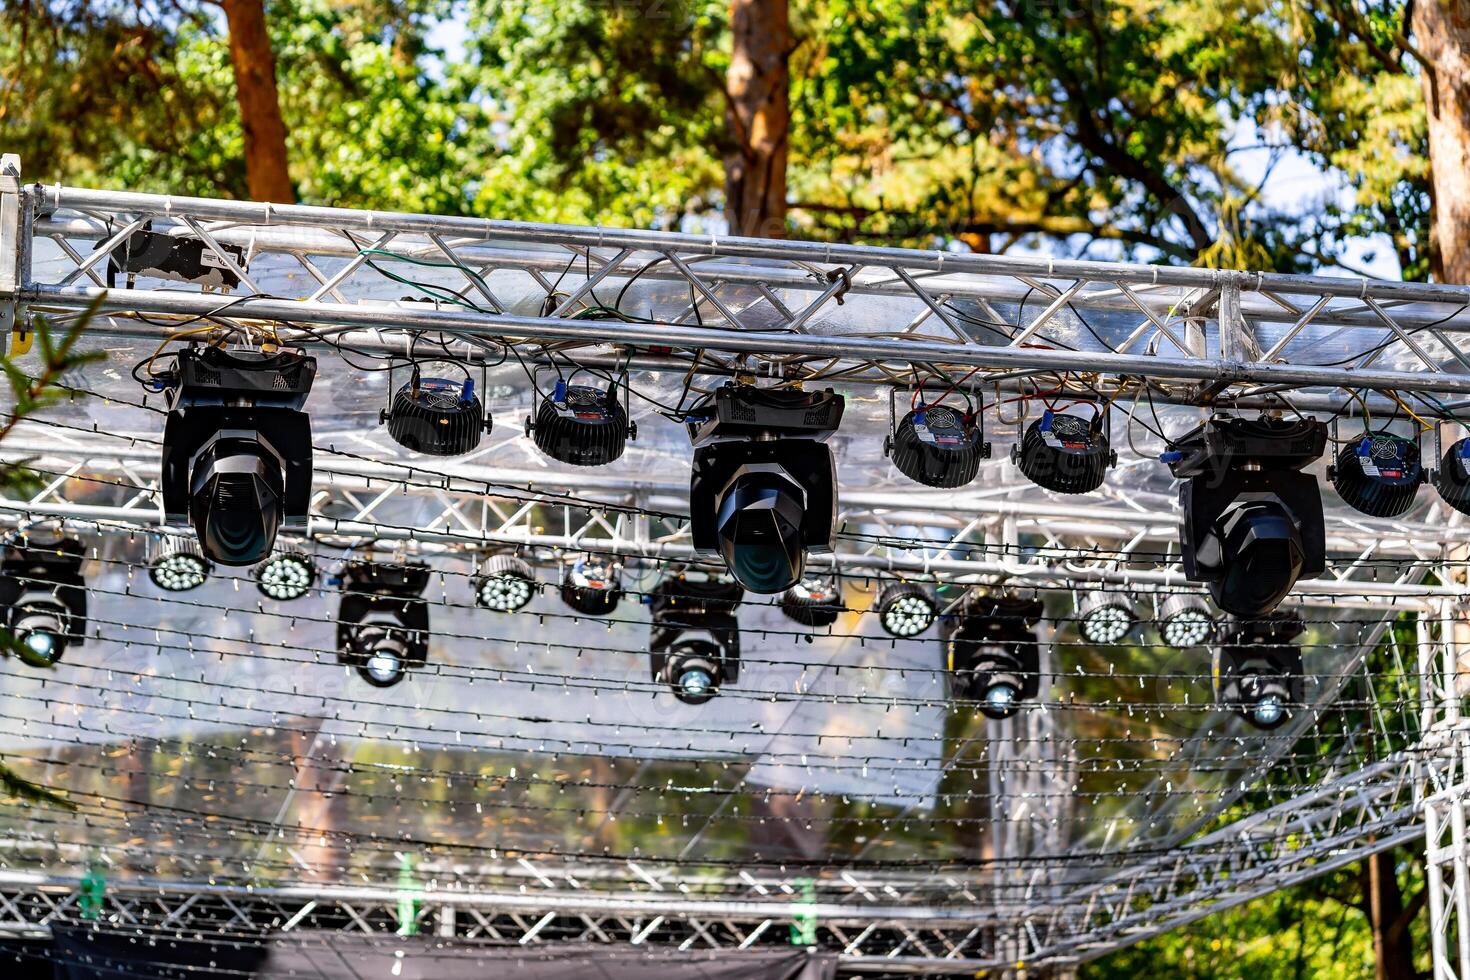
x: 237, y: 448
x: 383, y: 624
x: 695, y: 642
x: 993, y: 656
x: 1258, y: 670
x: 1252, y: 519
x: 764, y: 487
x: 43, y: 596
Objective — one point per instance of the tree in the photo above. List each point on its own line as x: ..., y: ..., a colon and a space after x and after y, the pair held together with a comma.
x: 260, y: 107
x: 1442, y: 29
x: 757, y: 87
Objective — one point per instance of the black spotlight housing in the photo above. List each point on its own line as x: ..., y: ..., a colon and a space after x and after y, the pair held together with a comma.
x: 905, y: 609
x: 1065, y: 453
x: 815, y: 602
x: 764, y: 488
x: 1252, y: 519
x: 1258, y: 669
x: 694, y: 646
x: 938, y: 445
x: 593, y: 584
x: 383, y: 624
x: 505, y: 584
x: 992, y: 653
x: 1379, y: 474
x: 581, y: 425
x: 43, y: 597
x: 237, y: 449
x: 437, y: 416
x: 1452, y: 479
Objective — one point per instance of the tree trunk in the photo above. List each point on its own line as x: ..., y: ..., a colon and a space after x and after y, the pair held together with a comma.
x: 1442, y: 31
x: 1393, y: 951
x: 260, y: 106
x: 759, y: 116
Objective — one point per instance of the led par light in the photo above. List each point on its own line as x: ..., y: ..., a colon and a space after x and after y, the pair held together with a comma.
x: 813, y: 602
x: 1185, y: 621
x: 694, y: 646
x: 1252, y: 519
x: 505, y: 584
x: 581, y: 425
x: 237, y: 449
x: 937, y: 445
x: 1065, y: 453
x: 993, y: 657
x: 1452, y: 479
x: 285, y: 575
x: 1258, y: 670
x: 1105, y: 618
x: 1378, y: 474
x: 176, y: 564
x: 593, y: 585
x: 436, y: 416
x: 905, y: 609
x: 383, y: 623
x: 43, y: 597
x: 764, y: 488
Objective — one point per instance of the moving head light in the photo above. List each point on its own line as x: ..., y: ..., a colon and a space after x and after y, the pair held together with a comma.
x: 1258, y: 670
x: 764, y: 487
x: 993, y: 657
x: 237, y: 449
x: 695, y: 643
x: 1252, y: 519
x: 43, y: 596
x: 383, y: 624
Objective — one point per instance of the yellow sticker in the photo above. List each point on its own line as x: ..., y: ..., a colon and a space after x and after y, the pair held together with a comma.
x: 20, y: 341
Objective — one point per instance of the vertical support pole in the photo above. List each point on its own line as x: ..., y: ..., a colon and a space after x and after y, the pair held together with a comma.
x: 12, y: 264
x: 1237, y: 342
x: 1446, y: 792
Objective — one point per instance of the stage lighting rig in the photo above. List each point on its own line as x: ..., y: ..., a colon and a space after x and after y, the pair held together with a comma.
x: 43, y: 596
x: 937, y: 445
x: 1252, y: 519
x: 435, y: 416
x: 383, y: 623
x: 285, y: 575
x: 1379, y: 474
x: 905, y: 609
x: 1258, y: 669
x: 581, y: 425
x: 764, y: 487
x: 593, y: 584
x: 1185, y: 621
x: 1452, y: 479
x: 177, y: 565
x: 1066, y: 453
x: 505, y: 584
x: 993, y: 656
x: 813, y: 602
x: 1105, y: 618
x: 237, y: 448
x: 694, y: 645
x: 181, y: 258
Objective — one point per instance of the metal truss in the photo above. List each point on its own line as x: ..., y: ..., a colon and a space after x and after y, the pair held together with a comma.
x: 766, y: 307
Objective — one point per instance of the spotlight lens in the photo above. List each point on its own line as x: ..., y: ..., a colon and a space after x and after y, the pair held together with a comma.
x: 1000, y: 700
x: 236, y: 501
x: 1106, y: 625
x: 908, y: 615
x: 1269, y: 711
x: 759, y: 523
x: 383, y: 668
x: 504, y: 593
x: 1187, y: 629
x: 178, y: 572
x: 42, y: 643
x: 286, y: 577
x: 696, y: 682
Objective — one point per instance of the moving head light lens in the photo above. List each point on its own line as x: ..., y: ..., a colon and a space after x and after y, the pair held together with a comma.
x: 1000, y: 700
x: 236, y: 501
x: 1263, y: 557
x: 694, y: 671
x: 386, y: 662
x: 758, y: 522
x: 40, y: 629
x: 1269, y: 712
